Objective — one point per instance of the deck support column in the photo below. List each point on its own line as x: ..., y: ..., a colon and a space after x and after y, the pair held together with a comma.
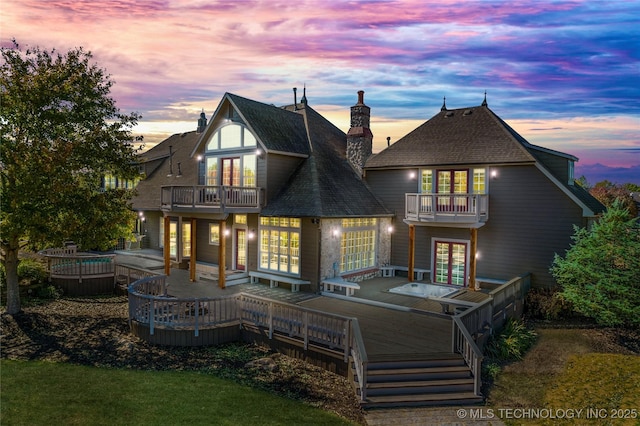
x: 472, y: 259
x: 166, y: 250
x: 192, y: 254
x: 222, y: 256
x: 412, y: 251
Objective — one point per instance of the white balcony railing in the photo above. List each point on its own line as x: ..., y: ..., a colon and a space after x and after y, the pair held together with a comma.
x: 447, y: 208
x: 212, y: 197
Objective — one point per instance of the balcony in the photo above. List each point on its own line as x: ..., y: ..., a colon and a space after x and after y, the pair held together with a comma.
x: 447, y: 209
x: 211, y: 199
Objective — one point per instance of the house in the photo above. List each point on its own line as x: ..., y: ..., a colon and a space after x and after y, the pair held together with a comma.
x: 478, y: 200
x: 281, y: 194
x: 266, y: 191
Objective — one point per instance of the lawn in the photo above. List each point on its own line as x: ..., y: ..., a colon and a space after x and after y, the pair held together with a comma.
x: 42, y: 393
x: 566, y: 371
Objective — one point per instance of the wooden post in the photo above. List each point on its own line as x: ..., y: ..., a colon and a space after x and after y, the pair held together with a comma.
x: 192, y: 259
x: 167, y: 249
x: 412, y: 251
x: 472, y: 259
x: 222, y: 256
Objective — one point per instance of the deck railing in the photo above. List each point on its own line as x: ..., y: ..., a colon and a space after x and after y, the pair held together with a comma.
x: 213, y: 197
x: 459, y: 208
x: 80, y: 266
x: 472, y: 327
x: 360, y: 358
x: 150, y: 304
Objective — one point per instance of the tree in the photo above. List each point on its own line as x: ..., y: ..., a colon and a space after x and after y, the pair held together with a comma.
x: 600, y: 274
x: 61, y: 133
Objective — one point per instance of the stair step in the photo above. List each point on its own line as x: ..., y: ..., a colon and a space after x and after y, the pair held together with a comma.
x: 421, y: 383
x: 422, y: 363
x: 413, y: 374
x: 457, y: 398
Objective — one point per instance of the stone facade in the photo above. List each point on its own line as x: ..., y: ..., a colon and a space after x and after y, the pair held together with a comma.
x: 359, y: 137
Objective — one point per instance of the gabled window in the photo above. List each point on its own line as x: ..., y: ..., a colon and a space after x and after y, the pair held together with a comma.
x: 231, y: 136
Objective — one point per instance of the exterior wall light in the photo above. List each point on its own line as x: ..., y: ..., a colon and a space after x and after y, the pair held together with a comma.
x: 390, y: 229
x: 335, y: 233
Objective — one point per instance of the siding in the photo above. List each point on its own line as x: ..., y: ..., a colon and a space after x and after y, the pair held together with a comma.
x: 310, y: 254
x: 530, y: 220
x: 205, y: 252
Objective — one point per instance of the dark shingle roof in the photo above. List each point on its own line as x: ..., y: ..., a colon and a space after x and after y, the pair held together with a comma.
x: 278, y: 129
x: 325, y: 184
x: 472, y: 135
x: 589, y: 200
x: 156, y: 163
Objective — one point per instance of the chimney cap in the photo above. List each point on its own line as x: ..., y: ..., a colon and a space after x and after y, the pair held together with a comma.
x: 360, y: 97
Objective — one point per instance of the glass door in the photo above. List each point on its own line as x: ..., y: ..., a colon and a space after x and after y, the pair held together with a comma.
x: 241, y: 249
x: 450, y: 263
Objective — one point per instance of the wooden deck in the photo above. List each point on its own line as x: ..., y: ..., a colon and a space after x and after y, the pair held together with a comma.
x: 399, y: 325
x: 391, y: 332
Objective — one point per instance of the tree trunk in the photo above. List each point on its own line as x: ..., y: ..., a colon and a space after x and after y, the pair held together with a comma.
x: 11, y: 269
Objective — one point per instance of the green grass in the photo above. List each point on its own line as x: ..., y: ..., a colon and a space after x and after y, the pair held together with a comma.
x: 562, y: 371
x: 45, y: 393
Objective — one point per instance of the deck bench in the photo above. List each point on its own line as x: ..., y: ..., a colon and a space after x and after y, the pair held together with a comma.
x: 332, y: 284
x: 207, y: 271
x: 390, y: 271
x: 274, y: 280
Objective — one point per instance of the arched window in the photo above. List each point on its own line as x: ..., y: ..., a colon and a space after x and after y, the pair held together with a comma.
x: 231, y: 136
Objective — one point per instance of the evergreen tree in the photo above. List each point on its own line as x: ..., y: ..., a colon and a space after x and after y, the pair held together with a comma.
x: 600, y: 273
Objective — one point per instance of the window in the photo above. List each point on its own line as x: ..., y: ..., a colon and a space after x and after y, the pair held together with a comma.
x: 110, y: 182
x: 212, y: 171
x: 479, y: 181
x: 571, y: 172
x: 249, y: 170
x: 358, y: 245
x: 231, y: 136
x: 186, y: 239
x: 240, y: 219
x: 426, y: 182
x: 214, y: 234
x: 161, y: 233
x: 280, y: 244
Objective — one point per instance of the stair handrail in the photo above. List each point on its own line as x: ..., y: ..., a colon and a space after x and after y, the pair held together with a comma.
x: 360, y: 358
x: 465, y: 345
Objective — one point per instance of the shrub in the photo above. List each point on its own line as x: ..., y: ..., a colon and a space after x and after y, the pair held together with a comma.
x: 547, y: 304
x: 49, y: 292
x: 511, y: 343
x: 31, y: 271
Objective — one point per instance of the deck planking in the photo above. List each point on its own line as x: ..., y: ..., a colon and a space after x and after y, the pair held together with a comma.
x: 391, y: 332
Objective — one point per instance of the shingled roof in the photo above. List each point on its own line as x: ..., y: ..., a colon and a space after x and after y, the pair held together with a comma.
x: 278, y: 129
x: 325, y: 184
x: 156, y: 164
x: 472, y: 135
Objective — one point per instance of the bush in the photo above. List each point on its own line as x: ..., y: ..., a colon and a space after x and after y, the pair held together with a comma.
x: 31, y: 271
x: 3, y: 276
x: 512, y: 342
x: 547, y: 304
x: 49, y: 292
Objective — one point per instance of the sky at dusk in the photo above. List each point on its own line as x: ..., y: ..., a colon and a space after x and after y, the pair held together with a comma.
x: 565, y: 74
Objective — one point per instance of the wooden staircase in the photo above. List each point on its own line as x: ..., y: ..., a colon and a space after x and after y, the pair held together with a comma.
x: 442, y: 380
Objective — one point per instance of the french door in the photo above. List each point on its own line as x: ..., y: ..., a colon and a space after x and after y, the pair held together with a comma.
x: 450, y: 183
x: 450, y: 262
x: 231, y: 171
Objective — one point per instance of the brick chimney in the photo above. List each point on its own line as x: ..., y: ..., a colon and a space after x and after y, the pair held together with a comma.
x: 359, y: 137
x: 202, y: 122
